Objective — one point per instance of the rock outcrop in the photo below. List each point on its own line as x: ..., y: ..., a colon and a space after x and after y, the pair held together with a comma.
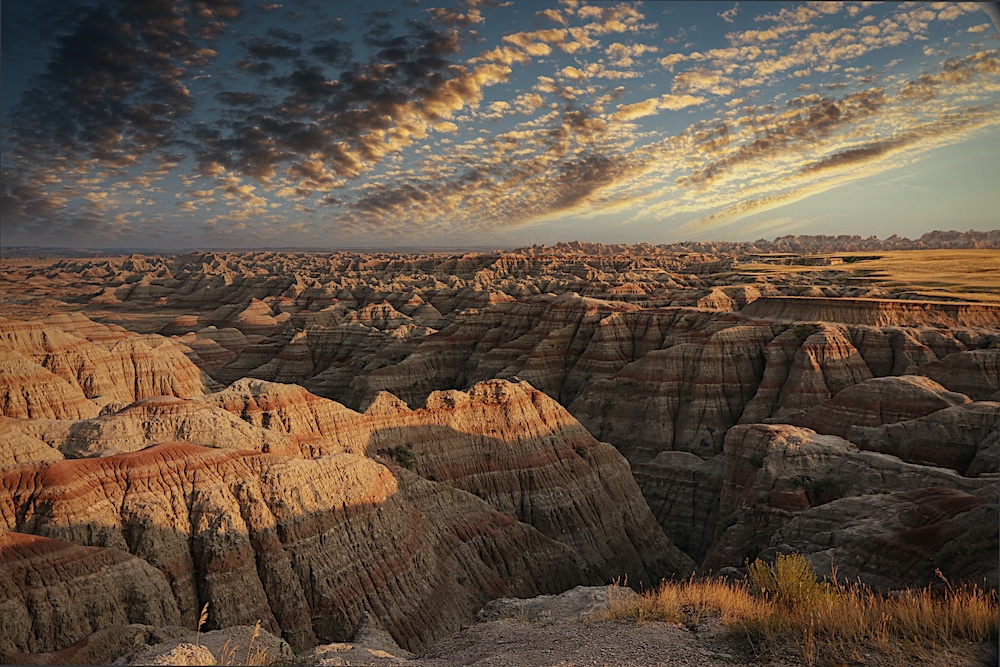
x: 965, y: 438
x: 878, y: 401
x: 521, y: 452
x: 305, y: 546
x: 123, y: 370
x: 778, y: 474
x: 974, y: 372
x: 509, y: 444
x: 55, y: 593
x: 875, y: 312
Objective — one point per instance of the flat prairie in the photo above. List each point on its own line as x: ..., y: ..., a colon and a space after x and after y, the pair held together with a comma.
x: 964, y: 274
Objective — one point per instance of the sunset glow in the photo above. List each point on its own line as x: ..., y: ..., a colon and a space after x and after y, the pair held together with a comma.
x: 220, y: 123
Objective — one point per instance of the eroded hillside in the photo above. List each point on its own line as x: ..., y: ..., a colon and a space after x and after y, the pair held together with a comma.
x: 317, y: 439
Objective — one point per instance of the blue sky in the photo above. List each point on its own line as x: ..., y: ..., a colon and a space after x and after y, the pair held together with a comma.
x: 220, y: 123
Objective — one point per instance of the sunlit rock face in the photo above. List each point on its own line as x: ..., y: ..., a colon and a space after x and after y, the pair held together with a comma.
x: 305, y: 545
x: 283, y: 512
x: 51, y: 372
x: 310, y: 439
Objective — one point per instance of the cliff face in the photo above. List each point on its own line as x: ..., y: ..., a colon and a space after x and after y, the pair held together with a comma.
x: 114, y: 370
x: 521, y: 452
x: 509, y: 444
x: 56, y: 593
x: 307, y: 546
x: 790, y: 488
x: 285, y: 513
x: 875, y: 312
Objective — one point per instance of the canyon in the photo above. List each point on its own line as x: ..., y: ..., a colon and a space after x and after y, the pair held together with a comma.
x: 324, y: 442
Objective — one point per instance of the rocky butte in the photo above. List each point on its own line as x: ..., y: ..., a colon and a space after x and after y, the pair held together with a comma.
x: 335, y: 444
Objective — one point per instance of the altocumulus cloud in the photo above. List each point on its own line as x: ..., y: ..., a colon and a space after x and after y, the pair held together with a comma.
x: 223, y: 121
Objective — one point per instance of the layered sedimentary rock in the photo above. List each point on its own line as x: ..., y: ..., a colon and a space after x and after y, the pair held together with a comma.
x: 779, y: 474
x: 569, y: 511
x: 54, y: 593
x: 682, y: 491
x: 352, y: 330
x: 526, y: 456
x: 29, y: 391
x: 974, y: 372
x: 965, y: 438
x: 165, y: 419
x: 900, y: 537
x: 875, y: 312
x: 20, y: 443
x: 507, y: 443
x: 306, y: 546
x: 120, y: 371
x: 686, y: 358
x: 316, y: 425
x: 876, y: 402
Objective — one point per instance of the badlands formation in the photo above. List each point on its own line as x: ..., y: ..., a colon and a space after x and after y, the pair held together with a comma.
x: 324, y: 442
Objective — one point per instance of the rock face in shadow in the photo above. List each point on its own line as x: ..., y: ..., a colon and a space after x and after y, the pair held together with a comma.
x: 682, y: 491
x: 521, y: 452
x: 965, y: 438
x: 779, y: 476
x: 306, y: 546
x: 973, y: 372
x: 56, y: 593
x: 507, y: 443
x: 901, y: 536
x: 877, y: 402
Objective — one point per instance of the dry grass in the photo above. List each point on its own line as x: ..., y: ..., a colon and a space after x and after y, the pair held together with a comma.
x: 965, y: 274
x: 783, y: 607
x: 227, y: 654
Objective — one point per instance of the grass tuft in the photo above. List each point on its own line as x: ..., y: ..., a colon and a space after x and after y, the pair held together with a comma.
x: 202, y: 619
x: 783, y: 607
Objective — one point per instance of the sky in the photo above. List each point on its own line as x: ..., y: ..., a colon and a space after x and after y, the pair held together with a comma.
x: 228, y: 124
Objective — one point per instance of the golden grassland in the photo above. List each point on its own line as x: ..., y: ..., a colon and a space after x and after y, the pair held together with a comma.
x: 970, y: 275
x: 783, y: 608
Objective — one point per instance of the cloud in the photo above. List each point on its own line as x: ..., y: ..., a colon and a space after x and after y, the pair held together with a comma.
x: 623, y: 55
x: 654, y: 105
x: 702, y: 79
x: 638, y: 110
x: 730, y: 14
x: 416, y: 120
x: 553, y: 15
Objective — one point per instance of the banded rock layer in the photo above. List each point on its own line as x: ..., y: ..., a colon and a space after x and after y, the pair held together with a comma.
x: 307, y: 546
x: 114, y: 369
